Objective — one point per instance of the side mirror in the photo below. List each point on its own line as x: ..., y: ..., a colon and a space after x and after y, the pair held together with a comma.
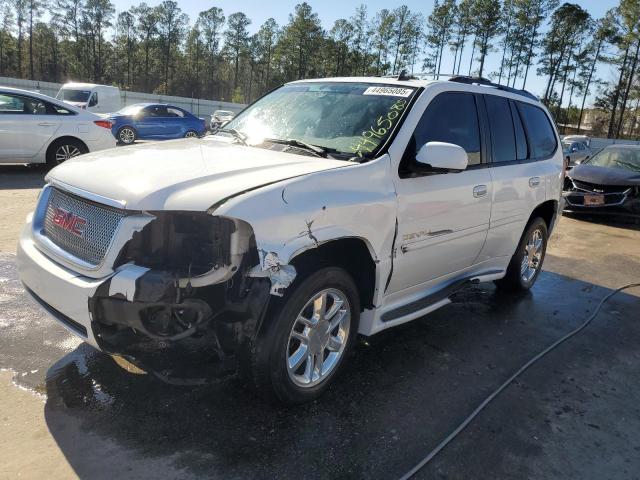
x: 441, y: 156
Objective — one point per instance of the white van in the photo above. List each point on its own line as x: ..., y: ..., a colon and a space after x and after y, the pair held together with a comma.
x: 90, y: 96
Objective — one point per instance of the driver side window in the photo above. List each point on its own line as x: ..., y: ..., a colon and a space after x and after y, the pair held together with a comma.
x: 451, y: 117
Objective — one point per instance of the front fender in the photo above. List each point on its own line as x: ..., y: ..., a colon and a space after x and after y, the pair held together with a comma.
x: 299, y: 214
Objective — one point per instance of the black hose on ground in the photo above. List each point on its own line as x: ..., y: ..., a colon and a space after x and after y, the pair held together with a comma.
x: 499, y: 390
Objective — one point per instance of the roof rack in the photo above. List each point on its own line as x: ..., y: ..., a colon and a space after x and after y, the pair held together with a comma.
x: 488, y: 83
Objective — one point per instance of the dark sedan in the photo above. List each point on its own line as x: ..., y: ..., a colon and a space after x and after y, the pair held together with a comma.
x: 607, y: 183
x: 148, y: 121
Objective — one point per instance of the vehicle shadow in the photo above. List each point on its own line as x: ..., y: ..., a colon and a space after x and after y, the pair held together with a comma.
x: 401, y: 393
x: 22, y: 176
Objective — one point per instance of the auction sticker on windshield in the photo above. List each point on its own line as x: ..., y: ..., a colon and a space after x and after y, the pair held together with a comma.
x: 389, y: 91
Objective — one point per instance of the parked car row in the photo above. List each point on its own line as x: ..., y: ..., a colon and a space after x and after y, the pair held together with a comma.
x: 36, y: 128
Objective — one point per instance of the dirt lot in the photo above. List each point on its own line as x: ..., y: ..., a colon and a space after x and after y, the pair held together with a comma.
x: 69, y: 411
x: 19, y: 188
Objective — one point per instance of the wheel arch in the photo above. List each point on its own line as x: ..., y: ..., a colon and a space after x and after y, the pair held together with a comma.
x: 353, y: 254
x: 548, y: 211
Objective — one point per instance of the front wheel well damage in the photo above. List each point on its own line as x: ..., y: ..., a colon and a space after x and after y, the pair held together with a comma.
x: 547, y: 211
x: 351, y: 254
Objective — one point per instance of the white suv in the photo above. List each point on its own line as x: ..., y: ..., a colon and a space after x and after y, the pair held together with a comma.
x: 326, y: 209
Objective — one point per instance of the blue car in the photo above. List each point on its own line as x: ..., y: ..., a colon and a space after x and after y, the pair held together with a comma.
x: 154, y: 121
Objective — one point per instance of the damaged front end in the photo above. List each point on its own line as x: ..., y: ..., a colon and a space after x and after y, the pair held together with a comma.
x: 189, y: 294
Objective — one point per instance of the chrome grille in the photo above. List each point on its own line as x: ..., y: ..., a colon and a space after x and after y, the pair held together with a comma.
x: 595, y: 188
x: 100, y: 227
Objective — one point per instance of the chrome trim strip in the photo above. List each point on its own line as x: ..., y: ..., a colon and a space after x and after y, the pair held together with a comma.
x: 94, y: 197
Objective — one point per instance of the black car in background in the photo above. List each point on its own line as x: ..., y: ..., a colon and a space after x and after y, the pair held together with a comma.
x: 607, y: 183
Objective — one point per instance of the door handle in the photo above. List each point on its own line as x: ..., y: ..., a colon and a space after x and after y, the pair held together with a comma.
x: 46, y: 124
x: 480, y: 191
x: 534, y: 182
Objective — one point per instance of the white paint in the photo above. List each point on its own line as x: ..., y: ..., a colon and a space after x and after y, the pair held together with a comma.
x: 124, y: 281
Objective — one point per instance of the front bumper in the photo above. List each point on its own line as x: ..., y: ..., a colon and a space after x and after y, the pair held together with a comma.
x: 624, y: 205
x: 63, y: 293
x: 124, y: 313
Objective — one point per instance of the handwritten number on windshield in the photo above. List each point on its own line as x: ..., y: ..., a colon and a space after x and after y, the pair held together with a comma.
x: 371, y: 138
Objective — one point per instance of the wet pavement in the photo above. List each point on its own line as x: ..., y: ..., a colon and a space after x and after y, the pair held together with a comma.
x: 576, y: 414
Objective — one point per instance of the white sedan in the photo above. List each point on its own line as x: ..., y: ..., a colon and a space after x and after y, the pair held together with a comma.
x: 35, y: 128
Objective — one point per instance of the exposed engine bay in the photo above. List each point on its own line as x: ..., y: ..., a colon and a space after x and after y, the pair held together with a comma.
x: 182, y: 295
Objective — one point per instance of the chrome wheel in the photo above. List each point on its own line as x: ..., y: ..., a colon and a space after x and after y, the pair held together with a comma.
x: 65, y: 152
x: 532, y: 258
x: 191, y: 134
x: 127, y: 135
x: 318, y: 337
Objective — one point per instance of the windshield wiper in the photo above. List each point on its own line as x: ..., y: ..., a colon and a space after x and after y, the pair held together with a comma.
x: 315, y: 149
x: 241, y: 137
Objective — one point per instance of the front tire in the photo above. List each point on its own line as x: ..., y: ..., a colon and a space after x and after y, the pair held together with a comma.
x: 307, y: 338
x: 191, y: 134
x: 526, y: 263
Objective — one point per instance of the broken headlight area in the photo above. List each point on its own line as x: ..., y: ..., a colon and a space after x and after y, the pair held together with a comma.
x: 185, y: 243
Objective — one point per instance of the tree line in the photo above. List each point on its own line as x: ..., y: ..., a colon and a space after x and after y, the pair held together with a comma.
x: 161, y: 50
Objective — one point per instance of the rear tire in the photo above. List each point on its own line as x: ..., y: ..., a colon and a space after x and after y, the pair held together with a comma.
x: 63, y: 149
x: 127, y: 135
x: 299, y: 352
x: 526, y: 263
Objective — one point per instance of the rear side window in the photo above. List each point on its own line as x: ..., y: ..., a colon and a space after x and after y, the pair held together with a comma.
x: 503, y: 138
x: 522, y: 149
x: 58, y: 110
x: 542, y: 139
x: 452, y: 118
x: 174, y: 112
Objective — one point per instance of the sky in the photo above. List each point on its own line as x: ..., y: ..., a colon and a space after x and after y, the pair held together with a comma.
x: 331, y: 10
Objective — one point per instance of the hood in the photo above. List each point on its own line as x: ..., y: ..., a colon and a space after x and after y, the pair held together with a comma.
x: 604, y: 175
x: 182, y: 174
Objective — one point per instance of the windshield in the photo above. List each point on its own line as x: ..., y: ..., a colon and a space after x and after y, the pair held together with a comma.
x: 617, y: 157
x: 130, y: 110
x: 69, y: 95
x: 566, y: 147
x: 353, y: 119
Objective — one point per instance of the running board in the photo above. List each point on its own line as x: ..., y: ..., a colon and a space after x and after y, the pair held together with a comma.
x: 433, y: 298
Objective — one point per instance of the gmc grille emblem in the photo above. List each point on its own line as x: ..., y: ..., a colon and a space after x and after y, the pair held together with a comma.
x: 69, y: 221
